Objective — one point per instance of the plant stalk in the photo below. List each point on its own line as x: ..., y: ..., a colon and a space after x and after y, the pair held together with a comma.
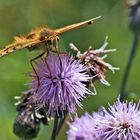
x: 128, y: 67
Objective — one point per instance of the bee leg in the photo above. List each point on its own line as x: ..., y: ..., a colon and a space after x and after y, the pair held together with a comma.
x: 31, y: 62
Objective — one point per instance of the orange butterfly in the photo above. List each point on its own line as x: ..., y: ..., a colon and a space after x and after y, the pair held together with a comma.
x: 42, y: 38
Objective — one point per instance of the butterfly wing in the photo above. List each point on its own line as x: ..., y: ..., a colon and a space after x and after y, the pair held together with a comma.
x: 19, y: 43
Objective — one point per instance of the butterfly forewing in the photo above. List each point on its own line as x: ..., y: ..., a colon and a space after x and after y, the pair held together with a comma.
x: 17, y: 45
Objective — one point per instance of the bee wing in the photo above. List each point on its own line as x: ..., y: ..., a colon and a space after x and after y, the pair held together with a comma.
x: 19, y: 43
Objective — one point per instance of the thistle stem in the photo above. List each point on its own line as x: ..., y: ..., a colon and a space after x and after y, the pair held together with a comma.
x: 61, y: 124
x: 53, y: 136
x: 128, y: 67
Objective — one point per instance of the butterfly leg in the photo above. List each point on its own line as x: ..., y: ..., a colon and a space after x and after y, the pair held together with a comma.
x: 57, y: 52
x: 31, y: 62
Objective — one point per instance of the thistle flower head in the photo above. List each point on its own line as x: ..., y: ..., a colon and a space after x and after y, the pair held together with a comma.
x: 95, y: 62
x: 120, y: 121
x: 82, y: 128
x: 62, y: 84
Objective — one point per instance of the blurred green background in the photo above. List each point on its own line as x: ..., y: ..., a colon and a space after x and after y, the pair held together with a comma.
x: 21, y: 16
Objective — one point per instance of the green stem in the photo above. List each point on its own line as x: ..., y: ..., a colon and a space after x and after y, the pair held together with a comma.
x: 128, y: 68
x: 53, y: 136
x: 61, y: 124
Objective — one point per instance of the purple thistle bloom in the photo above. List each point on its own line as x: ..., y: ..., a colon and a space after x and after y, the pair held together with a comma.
x: 62, y: 84
x: 82, y: 128
x: 120, y: 121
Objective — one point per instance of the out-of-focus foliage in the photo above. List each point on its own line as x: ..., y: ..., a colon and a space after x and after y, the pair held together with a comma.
x: 21, y: 16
